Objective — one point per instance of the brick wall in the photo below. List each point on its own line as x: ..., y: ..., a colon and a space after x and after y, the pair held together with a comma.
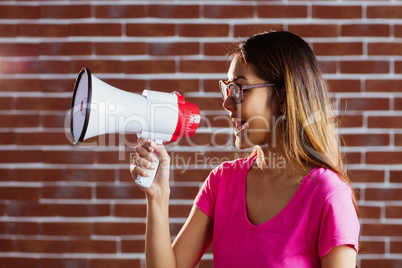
x: 63, y: 206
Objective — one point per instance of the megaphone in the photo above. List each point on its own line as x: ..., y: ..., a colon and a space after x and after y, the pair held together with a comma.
x: 98, y: 108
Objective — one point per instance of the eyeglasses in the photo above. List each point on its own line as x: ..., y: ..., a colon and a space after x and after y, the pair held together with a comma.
x: 235, y: 91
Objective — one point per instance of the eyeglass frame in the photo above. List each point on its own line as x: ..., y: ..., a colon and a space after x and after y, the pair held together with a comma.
x: 241, y: 87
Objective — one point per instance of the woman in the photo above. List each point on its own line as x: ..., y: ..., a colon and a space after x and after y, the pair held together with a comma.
x: 301, y: 213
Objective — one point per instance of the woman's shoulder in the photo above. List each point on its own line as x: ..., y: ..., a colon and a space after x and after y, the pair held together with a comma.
x: 327, y: 181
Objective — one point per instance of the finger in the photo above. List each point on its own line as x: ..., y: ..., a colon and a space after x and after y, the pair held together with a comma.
x: 146, y: 144
x: 135, y: 170
x: 141, y: 151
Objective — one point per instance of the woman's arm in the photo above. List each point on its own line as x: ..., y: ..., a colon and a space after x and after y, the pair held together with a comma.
x: 339, y: 257
x: 196, y: 234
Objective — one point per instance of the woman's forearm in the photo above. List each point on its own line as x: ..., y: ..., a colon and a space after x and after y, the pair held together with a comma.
x: 158, y: 245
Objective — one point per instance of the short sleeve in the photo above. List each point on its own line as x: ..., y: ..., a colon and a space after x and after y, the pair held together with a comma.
x: 339, y: 223
x: 205, y: 199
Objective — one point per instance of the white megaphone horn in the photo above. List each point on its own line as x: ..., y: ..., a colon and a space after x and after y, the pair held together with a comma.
x: 98, y: 108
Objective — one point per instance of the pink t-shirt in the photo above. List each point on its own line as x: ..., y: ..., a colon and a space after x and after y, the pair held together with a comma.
x: 319, y: 217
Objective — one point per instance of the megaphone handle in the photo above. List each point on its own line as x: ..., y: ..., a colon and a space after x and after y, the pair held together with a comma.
x: 146, y: 182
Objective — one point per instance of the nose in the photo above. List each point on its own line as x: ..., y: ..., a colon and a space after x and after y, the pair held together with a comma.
x: 228, y: 104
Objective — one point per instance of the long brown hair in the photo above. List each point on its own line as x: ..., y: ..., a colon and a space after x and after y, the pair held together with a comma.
x: 308, y: 132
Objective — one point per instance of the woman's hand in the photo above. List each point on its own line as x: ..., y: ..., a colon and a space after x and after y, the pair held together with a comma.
x: 145, y: 158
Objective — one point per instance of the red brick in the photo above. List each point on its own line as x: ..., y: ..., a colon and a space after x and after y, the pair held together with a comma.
x: 393, y: 212
x: 398, y: 140
x: 384, y: 158
x: 344, y: 85
x: 392, y: 49
x: 170, y: 85
x: 8, y: 30
x: 366, y: 212
x: 43, y: 104
x: 119, y: 192
x: 19, y: 49
x: 120, y: 11
x: 364, y: 104
x: 66, y: 228
x: 128, y: 210
x: 115, y: 263
x: 365, y: 175
x: 132, y: 246
x: 150, y: 66
x: 21, y: 156
x: 120, y: 48
x: 18, y: 262
x: 282, y: 11
x: 365, y: 30
x: 203, y: 66
x: 38, y: 175
x: 98, y: 66
x: 336, y: 12
x: 35, y: 67
x: 225, y: 12
x: 96, y: 29
x: 7, y: 138
x: 382, y: 85
x: 204, y: 30
x: 39, y: 138
x: 65, y: 11
x: 179, y: 211
x: 338, y: 49
x: 381, y: 230
x: 385, y: 12
x: 40, y: 246
x: 19, y: 228
x: 371, y: 67
x: 328, y: 66
x: 63, y: 263
x: 43, y: 30
x: 398, y: 66
x: 178, y: 192
x: 398, y: 30
x: 218, y: 49
x: 19, y: 120
x: 84, y: 210
x: 314, y: 30
x: 66, y: 48
x: 174, y: 11
x: 372, y: 247
x: 396, y: 247
x: 385, y: 122
x: 119, y: 228
x: 89, y: 175
x: 246, y: 30
x: 6, y: 245
x: 353, y: 158
x: 66, y: 192
x: 19, y: 12
x: 6, y: 103
x: 17, y: 85
x: 165, y: 49
x: 150, y: 29
x: 92, y: 246
x: 201, y: 140
x: 396, y: 176
x: 69, y: 157
x: 53, y: 121
x: 19, y: 193
x: 383, y: 194
x: 31, y: 209
x: 350, y: 121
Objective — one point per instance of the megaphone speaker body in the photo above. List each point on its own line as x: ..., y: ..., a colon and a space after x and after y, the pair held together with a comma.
x: 98, y: 108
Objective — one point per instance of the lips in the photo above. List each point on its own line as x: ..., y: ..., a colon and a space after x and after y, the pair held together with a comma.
x: 241, y: 125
